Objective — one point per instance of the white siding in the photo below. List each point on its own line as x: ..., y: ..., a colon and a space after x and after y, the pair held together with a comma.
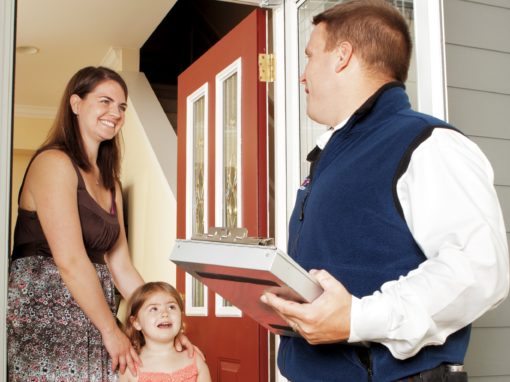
x: 478, y: 77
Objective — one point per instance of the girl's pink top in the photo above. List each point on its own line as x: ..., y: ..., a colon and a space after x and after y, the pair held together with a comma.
x: 186, y: 374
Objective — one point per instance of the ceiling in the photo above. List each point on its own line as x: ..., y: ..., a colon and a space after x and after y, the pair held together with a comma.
x: 199, y: 24
x: 71, y: 34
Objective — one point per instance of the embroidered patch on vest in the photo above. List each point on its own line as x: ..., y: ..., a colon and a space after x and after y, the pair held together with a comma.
x: 305, y: 183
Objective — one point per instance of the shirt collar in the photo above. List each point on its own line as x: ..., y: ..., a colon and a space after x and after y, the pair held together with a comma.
x: 324, y: 138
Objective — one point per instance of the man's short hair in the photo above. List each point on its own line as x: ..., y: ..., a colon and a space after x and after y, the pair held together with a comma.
x: 377, y: 32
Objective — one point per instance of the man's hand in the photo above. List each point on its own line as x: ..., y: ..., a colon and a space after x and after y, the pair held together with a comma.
x: 182, y: 342
x: 325, y: 320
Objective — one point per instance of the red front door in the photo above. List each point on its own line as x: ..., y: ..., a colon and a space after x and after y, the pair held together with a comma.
x: 222, y: 181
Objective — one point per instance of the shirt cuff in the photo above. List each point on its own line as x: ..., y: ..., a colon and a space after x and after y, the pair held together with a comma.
x: 369, y: 319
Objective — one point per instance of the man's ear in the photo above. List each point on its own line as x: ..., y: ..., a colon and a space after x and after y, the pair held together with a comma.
x: 135, y: 323
x: 74, y: 101
x: 344, y: 54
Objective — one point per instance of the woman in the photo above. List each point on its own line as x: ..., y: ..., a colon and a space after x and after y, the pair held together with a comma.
x: 70, y: 246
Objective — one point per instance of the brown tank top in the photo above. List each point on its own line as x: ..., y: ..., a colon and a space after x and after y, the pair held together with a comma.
x: 100, y: 228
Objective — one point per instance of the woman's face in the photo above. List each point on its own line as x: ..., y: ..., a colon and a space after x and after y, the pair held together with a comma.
x: 101, y: 112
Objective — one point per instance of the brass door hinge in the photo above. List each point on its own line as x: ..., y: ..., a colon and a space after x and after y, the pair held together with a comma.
x: 266, y: 67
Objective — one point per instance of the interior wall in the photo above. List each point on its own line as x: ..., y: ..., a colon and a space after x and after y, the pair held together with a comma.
x: 149, y: 202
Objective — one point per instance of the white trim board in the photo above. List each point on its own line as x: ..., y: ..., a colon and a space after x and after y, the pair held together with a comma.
x: 7, y: 22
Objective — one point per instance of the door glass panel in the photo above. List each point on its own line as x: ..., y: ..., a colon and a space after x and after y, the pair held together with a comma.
x: 310, y: 130
x: 229, y: 103
x: 196, y: 304
x: 198, y: 165
x: 230, y: 150
x: 230, y: 155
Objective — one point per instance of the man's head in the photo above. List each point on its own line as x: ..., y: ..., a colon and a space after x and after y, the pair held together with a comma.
x: 377, y: 32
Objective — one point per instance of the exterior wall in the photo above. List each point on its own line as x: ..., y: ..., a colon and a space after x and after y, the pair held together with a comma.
x: 478, y: 79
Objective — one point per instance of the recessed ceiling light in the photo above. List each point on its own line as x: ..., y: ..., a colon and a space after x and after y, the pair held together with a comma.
x: 27, y: 49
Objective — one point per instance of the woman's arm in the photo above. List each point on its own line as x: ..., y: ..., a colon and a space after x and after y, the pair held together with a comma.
x: 125, y: 276
x: 50, y: 190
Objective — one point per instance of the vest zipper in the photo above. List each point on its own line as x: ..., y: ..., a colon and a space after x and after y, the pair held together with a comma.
x: 365, y: 358
x: 302, y: 214
x: 369, y: 367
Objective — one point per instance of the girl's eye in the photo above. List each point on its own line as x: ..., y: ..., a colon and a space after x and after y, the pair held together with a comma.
x: 153, y: 309
x: 172, y: 307
x: 122, y: 108
x: 105, y: 101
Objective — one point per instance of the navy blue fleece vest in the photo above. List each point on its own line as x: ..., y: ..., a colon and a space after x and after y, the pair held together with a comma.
x: 348, y: 221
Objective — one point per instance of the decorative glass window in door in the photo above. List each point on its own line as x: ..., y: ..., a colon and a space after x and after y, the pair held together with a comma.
x: 310, y: 130
x: 196, y: 184
x: 228, y: 160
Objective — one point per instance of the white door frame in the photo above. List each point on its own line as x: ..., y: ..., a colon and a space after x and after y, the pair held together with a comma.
x: 430, y: 58
x: 7, y: 21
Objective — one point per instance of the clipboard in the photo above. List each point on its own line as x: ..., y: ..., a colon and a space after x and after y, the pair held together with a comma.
x: 241, y: 272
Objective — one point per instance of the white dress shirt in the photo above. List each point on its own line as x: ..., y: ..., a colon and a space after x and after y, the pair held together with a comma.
x: 452, y: 210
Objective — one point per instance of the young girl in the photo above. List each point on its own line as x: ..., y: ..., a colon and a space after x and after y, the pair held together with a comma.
x: 153, y: 320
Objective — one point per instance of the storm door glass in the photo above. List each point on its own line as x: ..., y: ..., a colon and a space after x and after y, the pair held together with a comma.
x: 310, y: 130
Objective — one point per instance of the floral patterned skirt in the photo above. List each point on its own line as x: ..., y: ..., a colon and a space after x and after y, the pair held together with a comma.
x: 49, y: 338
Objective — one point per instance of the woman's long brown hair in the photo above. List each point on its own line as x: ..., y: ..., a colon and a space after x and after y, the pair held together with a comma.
x: 65, y: 133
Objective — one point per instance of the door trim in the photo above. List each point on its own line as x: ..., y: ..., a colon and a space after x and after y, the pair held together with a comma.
x: 202, y: 91
x: 430, y: 58
x: 8, y: 22
x: 234, y: 68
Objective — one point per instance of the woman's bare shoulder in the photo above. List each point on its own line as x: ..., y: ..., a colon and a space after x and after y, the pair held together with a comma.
x: 51, y: 173
x: 51, y: 163
x: 52, y: 156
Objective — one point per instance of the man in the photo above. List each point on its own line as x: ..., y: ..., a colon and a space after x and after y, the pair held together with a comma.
x: 399, y: 213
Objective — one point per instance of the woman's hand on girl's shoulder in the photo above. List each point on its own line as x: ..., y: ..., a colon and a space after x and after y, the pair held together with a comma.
x: 121, y: 351
x: 126, y: 377
x: 182, y: 343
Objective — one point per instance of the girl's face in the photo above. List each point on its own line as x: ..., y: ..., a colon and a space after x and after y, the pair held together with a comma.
x: 101, y: 112
x: 159, y: 318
